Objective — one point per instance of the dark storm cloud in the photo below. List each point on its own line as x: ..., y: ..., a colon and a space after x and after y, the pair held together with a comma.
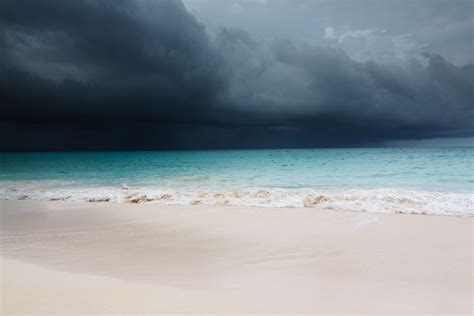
x: 110, y: 51
x: 146, y: 74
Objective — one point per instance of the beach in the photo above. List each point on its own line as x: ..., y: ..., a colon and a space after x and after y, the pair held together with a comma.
x: 244, y: 157
x: 71, y: 258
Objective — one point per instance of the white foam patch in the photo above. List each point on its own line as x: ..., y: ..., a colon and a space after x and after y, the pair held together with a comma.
x: 368, y: 221
x: 362, y: 200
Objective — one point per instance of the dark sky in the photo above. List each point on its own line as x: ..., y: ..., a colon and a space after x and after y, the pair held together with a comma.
x: 138, y: 74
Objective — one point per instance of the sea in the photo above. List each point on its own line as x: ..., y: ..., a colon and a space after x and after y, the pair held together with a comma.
x: 436, y: 181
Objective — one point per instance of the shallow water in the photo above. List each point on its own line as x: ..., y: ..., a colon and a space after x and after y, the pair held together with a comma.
x: 424, y: 180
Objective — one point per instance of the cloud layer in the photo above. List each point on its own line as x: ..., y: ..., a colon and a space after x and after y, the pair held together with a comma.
x: 147, y: 75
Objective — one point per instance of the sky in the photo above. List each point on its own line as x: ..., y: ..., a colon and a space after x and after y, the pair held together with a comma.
x: 211, y: 74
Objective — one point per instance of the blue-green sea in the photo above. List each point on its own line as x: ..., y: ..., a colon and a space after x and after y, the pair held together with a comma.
x: 415, y: 180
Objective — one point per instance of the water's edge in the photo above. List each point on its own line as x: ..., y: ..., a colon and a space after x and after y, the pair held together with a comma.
x: 382, y: 200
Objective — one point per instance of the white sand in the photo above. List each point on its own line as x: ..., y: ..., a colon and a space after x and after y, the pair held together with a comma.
x: 97, y: 258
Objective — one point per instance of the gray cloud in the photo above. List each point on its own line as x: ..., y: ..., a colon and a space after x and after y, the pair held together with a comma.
x: 146, y: 74
x: 304, y: 85
x: 441, y: 27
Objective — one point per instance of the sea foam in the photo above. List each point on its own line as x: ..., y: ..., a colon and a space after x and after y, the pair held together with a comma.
x: 381, y: 200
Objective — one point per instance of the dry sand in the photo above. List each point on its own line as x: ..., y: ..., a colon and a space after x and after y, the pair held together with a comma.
x: 111, y: 258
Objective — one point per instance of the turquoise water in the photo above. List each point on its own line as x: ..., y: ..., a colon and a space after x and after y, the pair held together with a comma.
x: 431, y: 169
x: 422, y: 181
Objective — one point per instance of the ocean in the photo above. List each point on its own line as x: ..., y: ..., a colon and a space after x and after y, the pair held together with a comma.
x: 390, y: 180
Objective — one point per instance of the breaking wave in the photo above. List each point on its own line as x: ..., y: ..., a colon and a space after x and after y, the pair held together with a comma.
x: 364, y: 200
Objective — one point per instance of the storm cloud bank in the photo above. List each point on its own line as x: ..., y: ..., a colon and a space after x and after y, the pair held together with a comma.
x: 147, y: 75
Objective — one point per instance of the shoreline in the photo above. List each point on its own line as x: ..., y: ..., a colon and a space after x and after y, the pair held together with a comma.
x: 371, y: 200
x: 57, y: 256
